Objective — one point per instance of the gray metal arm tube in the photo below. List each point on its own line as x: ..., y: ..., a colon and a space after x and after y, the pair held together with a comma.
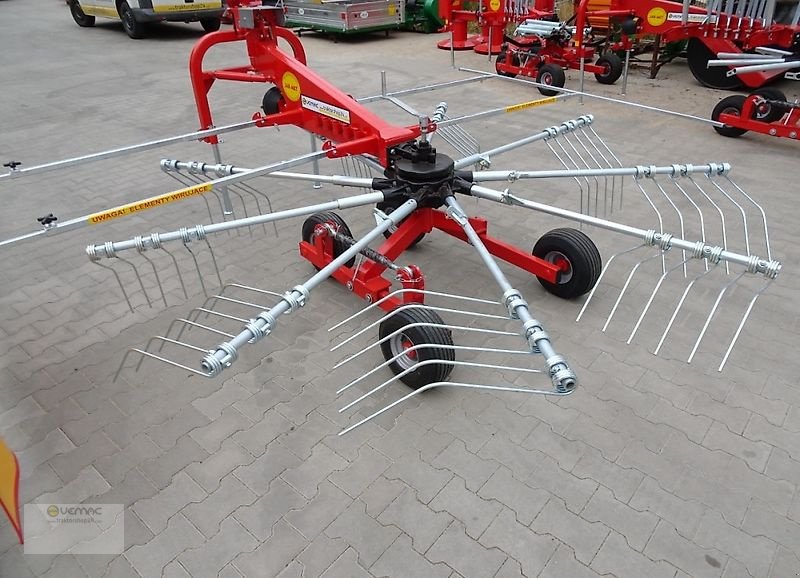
x: 638, y: 171
x: 265, y: 322
x: 698, y: 249
x: 198, y: 232
x: 563, y: 377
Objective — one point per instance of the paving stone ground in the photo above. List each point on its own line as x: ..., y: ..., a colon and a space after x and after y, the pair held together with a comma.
x: 652, y: 468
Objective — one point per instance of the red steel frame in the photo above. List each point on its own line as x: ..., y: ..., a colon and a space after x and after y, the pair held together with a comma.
x: 365, y: 133
x: 787, y: 126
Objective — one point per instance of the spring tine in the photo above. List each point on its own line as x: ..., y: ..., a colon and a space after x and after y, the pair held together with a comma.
x: 214, y: 262
x: 576, y: 136
x: 678, y: 308
x: 256, y: 193
x: 410, y: 325
x: 599, y: 165
x: 197, y: 267
x: 166, y: 339
x: 155, y: 273
x: 568, y: 138
x: 425, y: 388
x: 658, y: 214
x: 741, y: 211
x: 652, y: 297
x: 600, y: 278
x: 416, y: 306
x: 577, y: 180
x: 221, y: 207
x: 121, y: 365
x: 138, y: 278
x: 699, y: 214
x: 429, y: 346
x: 757, y: 206
x: 742, y: 322
x: 625, y: 286
x: 208, y: 207
x: 234, y: 190
x: 119, y: 281
x: 590, y: 128
x: 680, y: 221
x: 711, y: 314
x: 178, y: 269
x: 721, y: 217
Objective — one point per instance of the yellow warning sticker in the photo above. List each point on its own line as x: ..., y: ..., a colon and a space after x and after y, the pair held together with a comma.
x: 145, y: 204
x: 531, y: 104
x: 494, y: 5
x: 656, y: 17
x: 291, y: 86
x: 182, y: 7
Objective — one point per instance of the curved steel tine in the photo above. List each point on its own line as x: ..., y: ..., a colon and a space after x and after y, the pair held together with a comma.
x: 122, y: 364
x: 577, y: 135
x: 155, y: 273
x: 590, y: 128
x: 577, y: 166
x: 625, y: 287
x: 678, y: 308
x: 699, y: 214
x: 680, y: 221
x: 138, y: 278
x: 119, y: 281
x: 658, y: 215
x: 653, y: 296
x: 431, y: 346
x: 591, y: 141
x: 222, y: 207
x: 419, y: 364
x: 197, y: 266
x: 721, y: 217
x: 576, y: 179
x: 416, y: 306
x: 208, y: 207
x: 711, y: 314
x: 149, y: 341
x: 404, y: 291
x: 442, y: 325
x: 178, y: 269
x: 568, y: 138
x: 214, y: 262
x: 425, y: 388
x: 756, y: 205
x: 742, y: 322
x: 256, y: 193
x: 234, y: 190
x: 600, y: 278
x: 741, y: 211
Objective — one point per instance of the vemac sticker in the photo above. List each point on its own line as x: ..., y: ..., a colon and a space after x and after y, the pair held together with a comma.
x: 325, y: 109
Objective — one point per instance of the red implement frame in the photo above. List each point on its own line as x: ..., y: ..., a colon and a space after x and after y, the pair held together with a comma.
x: 787, y: 126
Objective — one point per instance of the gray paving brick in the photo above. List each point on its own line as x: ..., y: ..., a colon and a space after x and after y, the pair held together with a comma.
x: 565, y: 451
x: 731, y: 503
x: 530, y: 549
x: 786, y: 563
x: 274, y: 554
x: 319, y: 555
x: 161, y: 469
x: 635, y: 526
x: 369, y: 538
x: 467, y: 556
x: 54, y: 444
x: 475, y: 513
x: 684, y: 515
x: 42, y: 480
x: 120, y: 568
x: 734, y: 418
x: 472, y: 433
x: 781, y: 466
x: 260, y: 517
x: 401, y: 561
x: 88, y: 483
x: 754, y: 453
x: 175, y: 570
x: 772, y: 410
x: 257, y: 404
x: 694, y: 426
x: 659, y: 467
x: 617, y: 558
x: 347, y: 566
x: 314, y: 517
x: 419, y: 475
x: 761, y: 520
x: 35, y: 429
x: 585, y: 538
x: 472, y: 469
x: 308, y: 475
x: 557, y: 417
x: 519, y: 460
x: 620, y: 480
x: 563, y: 563
x: 361, y: 472
x: 380, y: 494
x: 573, y: 490
x: 759, y: 429
x: 300, y: 440
x: 516, y: 426
x: 209, y: 472
x: 526, y: 502
x: 667, y: 544
x: 156, y: 512
x: 756, y: 553
x: 510, y: 569
x: 207, y: 515
x: 400, y: 439
x: 259, y: 474
x: 150, y: 559
x: 211, y: 436
x: 423, y: 524
x: 167, y: 433
x: 641, y: 403
x: 584, y: 430
x: 215, y: 554
x: 133, y: 488
x: 24, y: 410
x: 114, y: 467
x: 256, y: 438
x: 230, y: 392
x: 776, y: 493
x: 653, y: 436
x: 65, y: 566
x: 701, y: 461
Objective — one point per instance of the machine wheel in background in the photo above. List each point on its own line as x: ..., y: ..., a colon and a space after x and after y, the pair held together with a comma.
x: 134, y: 29
x: 613, y: 68
x: 81, y: 19
x: 698, y: 55
x: 502, y: 58
x: 729, y: 105
x: 766, y: 112
x: 210, y: 24
x: 551, y: 75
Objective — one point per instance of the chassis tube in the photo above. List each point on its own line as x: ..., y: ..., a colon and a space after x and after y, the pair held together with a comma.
x: 264, y: 323
x: 563, y: 377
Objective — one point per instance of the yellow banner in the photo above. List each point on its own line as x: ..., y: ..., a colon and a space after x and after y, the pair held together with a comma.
x: 531, y: 104
x: 145, y: 204
x: 9, y: 487
x: 99, y: 11
x: 187, y: 7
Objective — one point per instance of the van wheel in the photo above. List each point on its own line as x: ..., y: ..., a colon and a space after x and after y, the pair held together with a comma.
x: 210, y: 24
x: 80, y: 18
x: 132, y: 28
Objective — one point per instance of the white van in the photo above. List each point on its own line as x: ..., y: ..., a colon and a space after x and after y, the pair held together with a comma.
x: 136, y: 14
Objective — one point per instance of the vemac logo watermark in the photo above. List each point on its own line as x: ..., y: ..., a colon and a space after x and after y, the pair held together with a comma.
x: 74, y: 528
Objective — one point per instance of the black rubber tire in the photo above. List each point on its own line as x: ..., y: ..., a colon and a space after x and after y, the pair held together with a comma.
x: 551, y: 75
x: 732, y: 104
x: 428, y: 334
x: 613, y: 68
x: 502, y: 58
x: 698, y: 55
x: 133, y: 29
x: 270, y: 104
x: 583, y: 257
x: 81, y: 19
x: 210, y: 24
x: 769, y: 112
x: 339, y: 247
x: 387, y: 207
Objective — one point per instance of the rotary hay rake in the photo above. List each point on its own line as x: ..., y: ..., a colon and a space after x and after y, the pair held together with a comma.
x: 708, y: 248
